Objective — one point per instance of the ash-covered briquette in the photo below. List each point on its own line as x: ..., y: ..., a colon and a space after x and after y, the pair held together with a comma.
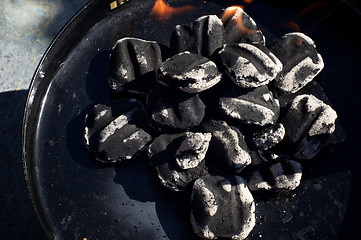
x: 170, y: 110
x: 248, y: 65
x: 203, y: 36
x: 189, y: 72
x: 227, y: 148
x: 269, y: 136
x: 257, y: 107
x: 240, y: 27
x: 301, y: 62
x: 222, y: 207
x: 309, y: 122
x: 163, y: 152
x: 193, y: 149
x: 115, y: 131
x: 281, y: 176
x: 132, y: 64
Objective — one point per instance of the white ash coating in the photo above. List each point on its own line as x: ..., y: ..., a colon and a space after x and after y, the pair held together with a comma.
x: 116, y: 124
x: 325, y: 120
x: 243, y: 158
x: 209, y: 200
x: 252, y: 67
x: 285, y: 181
x: 269, y: 137
x: 229, y: 106
x: 193, y: 149
x: 300, y: 59
x: 192, y: 80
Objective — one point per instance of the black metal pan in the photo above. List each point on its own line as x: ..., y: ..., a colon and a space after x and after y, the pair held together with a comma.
x: 76, y: 198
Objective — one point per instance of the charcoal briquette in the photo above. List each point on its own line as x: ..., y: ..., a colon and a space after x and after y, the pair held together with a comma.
x: 132, y: 65
x: 269, y: 136
x: 117, y: 131
x: 163, y: 153
x: 169, y: 110
x: 189, y: 72
x: 257, y: 107
x: 227, y: 148
x: 248, y: 65
x: 240, y: 27
x: 222, y: 207
x: 203, y: 36
x: 300, y: 59
x: 308, y: 123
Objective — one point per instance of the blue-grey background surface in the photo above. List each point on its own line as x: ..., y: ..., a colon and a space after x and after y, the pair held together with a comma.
x: 27, y: 27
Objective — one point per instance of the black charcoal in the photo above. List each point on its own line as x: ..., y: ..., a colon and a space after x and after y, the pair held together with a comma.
x: 203, y: 36
x: 189, y: 72
x: 162, y: 153
x: 249, y: 66
x: 132, y: 64
x: 174, y: 110
x: 240, y: 27
x: 222, y: 207
x: 281, y: 176
x: 269, y: 136
x: 227, y: 148
x: 257, y: 107
x: 115, y: 131
x: 301, y: 62
x: 308, y: 122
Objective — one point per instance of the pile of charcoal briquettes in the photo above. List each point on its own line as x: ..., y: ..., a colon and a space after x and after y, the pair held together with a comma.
x: 218, y: 112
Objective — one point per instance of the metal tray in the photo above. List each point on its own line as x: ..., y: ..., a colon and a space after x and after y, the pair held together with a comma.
x: 76, y: 198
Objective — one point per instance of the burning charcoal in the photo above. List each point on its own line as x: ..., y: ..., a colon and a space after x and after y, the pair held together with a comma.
x: 269, y: 136
x: 163, y: 153
x: 283, y: 176
x: 114, y: 132
x: 258, y: 107
x: 222, y: 207
x: 310, y: 122
x: 189, y: 72
x: 227, y: 147
x: 132, y: 61
x: 301, y: 62
x: 174, y: 110
x: 193, y: 149
x: 249, y: 66
x: 203, y: 36
x: 241, y: 28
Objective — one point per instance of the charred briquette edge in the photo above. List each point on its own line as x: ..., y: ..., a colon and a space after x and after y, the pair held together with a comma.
x: 287, y: 175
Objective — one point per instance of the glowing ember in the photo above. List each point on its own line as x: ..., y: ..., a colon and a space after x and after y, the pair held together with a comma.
x: 235, y: 13
x: 162, y: 10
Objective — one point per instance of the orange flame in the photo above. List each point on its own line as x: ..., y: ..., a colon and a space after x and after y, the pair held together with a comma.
x: 162, y: 10
x: 292, y: 25
x: 235, y: 13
